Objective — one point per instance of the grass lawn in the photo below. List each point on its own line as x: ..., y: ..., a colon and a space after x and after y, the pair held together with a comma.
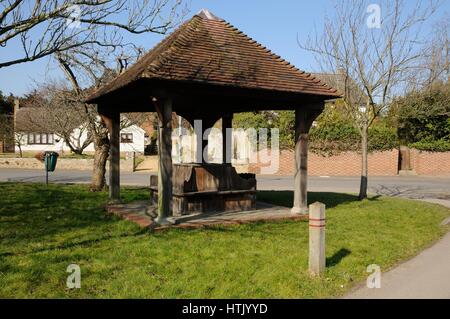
x: 44, y: 229
x: 30, y: 154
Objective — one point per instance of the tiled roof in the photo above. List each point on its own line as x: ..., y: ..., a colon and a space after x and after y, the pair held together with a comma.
x: 207, y: 49
x: 30, y: 119
x: 338, y: 81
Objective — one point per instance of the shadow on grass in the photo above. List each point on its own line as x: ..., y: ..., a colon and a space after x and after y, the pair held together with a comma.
x: 337, y: 257
x: 285, y: 198
x: 42, y: 216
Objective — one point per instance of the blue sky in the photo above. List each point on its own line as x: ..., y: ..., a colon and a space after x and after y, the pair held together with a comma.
x: 274, y: 23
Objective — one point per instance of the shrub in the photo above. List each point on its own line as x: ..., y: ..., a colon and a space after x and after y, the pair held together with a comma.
x: 382, y: 138
x: 432, y: 145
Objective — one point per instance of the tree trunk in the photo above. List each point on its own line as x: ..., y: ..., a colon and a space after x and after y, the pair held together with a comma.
x: 102, y: 146
x: 73, y: 149
x: 364, y: 167
x: 20, y: 151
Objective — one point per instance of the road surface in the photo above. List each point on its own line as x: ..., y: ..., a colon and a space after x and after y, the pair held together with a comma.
x: 404, y: 186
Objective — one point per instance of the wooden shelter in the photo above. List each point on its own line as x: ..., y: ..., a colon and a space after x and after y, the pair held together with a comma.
x: 207, y: 70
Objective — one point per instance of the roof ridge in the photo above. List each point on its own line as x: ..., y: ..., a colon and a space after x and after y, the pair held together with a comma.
x: 141, y: 60
x: 153, y: 67
x: 278, y: 58
x: 206, y: 14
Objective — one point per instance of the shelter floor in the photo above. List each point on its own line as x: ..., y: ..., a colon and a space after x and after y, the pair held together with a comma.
x: 143, y: 213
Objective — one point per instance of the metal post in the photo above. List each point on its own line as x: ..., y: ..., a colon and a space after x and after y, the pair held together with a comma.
x: 316, y: 238
x: 46, y: 160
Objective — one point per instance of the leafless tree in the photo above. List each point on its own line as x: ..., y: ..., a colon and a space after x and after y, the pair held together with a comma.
x: 434, y: 67
x: 374, y: 58
x: 45, y: 27
x: 6, y: 122
x: 87, y: 40
x: 52, y: 108
x: 94, y: 66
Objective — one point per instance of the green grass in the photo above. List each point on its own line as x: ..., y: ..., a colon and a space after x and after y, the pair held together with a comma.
x: 44, y: 229
x: 31, y: 154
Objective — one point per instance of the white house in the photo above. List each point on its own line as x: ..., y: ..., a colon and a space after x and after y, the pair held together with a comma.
x: 33, y: 138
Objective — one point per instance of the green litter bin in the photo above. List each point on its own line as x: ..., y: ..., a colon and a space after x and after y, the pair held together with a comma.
x: 50, y: 159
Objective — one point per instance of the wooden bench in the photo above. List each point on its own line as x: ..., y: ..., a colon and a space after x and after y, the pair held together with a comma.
x: 208, y: 188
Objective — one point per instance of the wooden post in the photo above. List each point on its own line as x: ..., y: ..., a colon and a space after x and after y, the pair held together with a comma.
x: 317, y: 238
x: 198, y: 130
x: 302, y: 125
x: 165, y: 161
x: 114, y: 157
x: 227, y: 124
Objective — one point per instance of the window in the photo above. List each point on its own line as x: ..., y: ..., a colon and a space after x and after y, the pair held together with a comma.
x: 40, y: 138
x: 126, y: 138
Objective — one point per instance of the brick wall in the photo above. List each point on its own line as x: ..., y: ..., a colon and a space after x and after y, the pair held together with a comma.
x: 344, y: 164
x: 430, y: 163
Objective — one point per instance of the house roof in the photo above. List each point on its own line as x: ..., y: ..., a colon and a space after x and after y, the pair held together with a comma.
x: 35, y: 119
x: 338, y: 81
x: 29, y: 120
x: 208, y: 49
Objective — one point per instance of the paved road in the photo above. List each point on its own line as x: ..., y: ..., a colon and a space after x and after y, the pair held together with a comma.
x: 424, y: 276
x: 405, y: 186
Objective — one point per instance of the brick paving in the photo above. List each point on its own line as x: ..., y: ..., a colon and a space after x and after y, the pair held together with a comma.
x: 143, y: 214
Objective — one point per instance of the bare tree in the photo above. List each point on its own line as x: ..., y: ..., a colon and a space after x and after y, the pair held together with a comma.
x: 94, y: 66
x: 86, y: 38
x: 44, y: 27
x: 375, y: 58
x: 6, y: 122
x: 434, y: 67
x: 51, y: 108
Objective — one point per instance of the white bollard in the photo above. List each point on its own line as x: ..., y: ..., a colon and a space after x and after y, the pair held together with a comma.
x: 316, y: 238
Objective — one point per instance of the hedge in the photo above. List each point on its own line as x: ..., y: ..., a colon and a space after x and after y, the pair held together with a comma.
x: 431, y: 146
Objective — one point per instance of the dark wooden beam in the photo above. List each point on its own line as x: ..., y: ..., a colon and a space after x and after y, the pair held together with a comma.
x: 303, y: 123
x: 196, y: 97
x: 164, y: 110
